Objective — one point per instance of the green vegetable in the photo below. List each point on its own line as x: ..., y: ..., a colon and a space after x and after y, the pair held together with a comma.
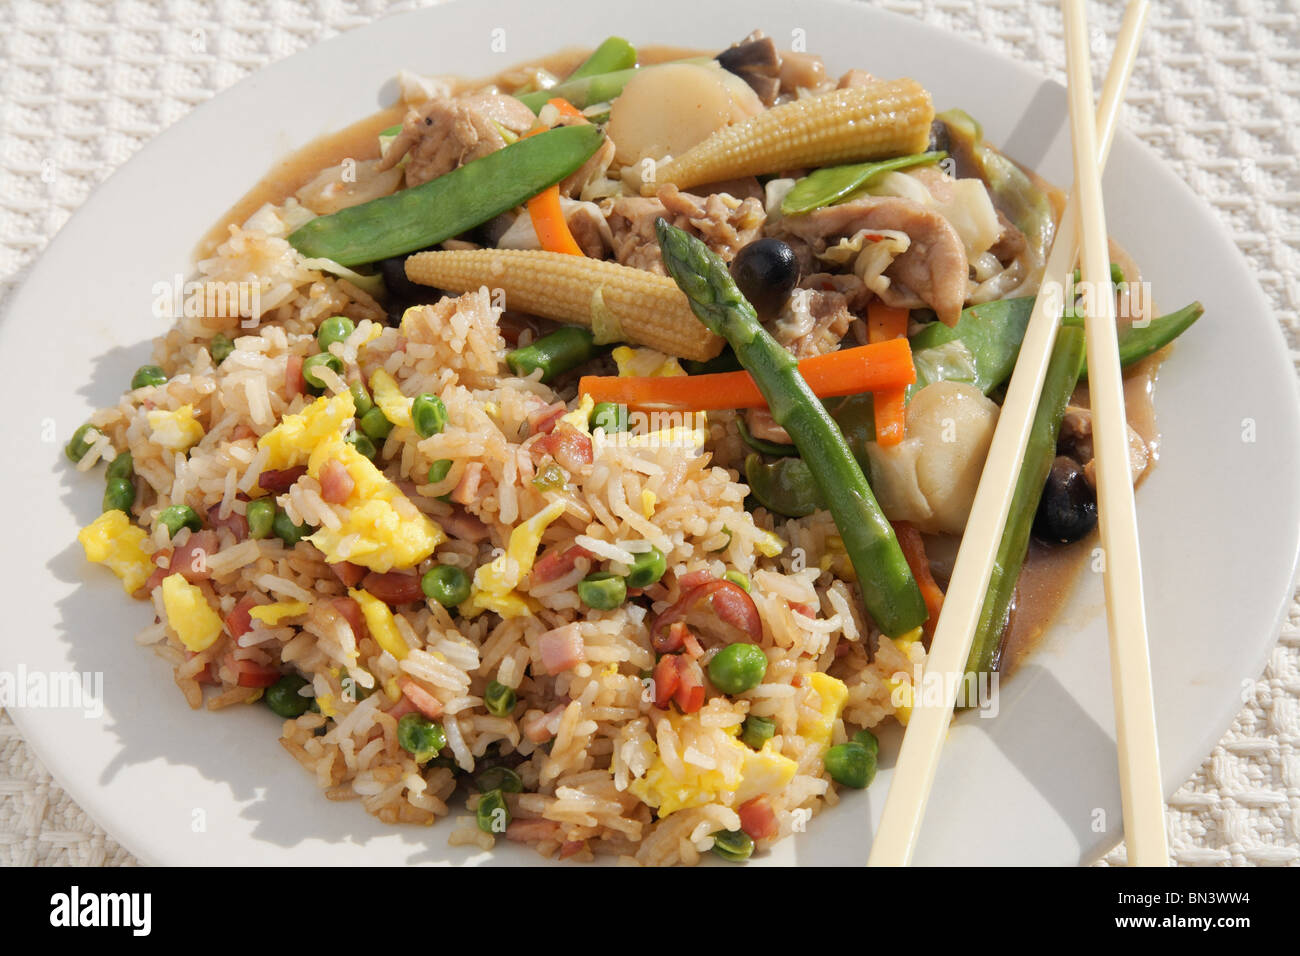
x: 122, y: 466
x: 724, y: 361
x: 562, y: 350
x: 1062, y: 375
x: 316, y: 361
x: 287, y: 531
x: 760, y: 445
x: 374, y: 425
x: 334, y: 329
x: 429, y: 415
x: 550, y: 478
x: 602, y: 591
x: 439, y: 470
x: 1135, y: 343
x: 119, y: 495
x: 738, y: 667
x: 739, y: 580
x: 466, y: 197
x: 1116, y: 274
x: 220, y: 347
x: 148, y: 375
x: 785, y: 487
x: 865, y: 738
x: 583, y: 91
x: 889, y: 590
x: 851, y: 765
x: 614, y: 53
x: 834, y: 184
x: 647, y: 568
x: 499, y: 699
x: 77, y: 445
x: 261, y: 518
x: 991, y: 332
x: 284, y: 699
x: 492, y: 813
x: 446, y: 584
x: 610, y: 416
x: 361, y: 443
x: 756, y: 731
x: 499, y: 778
x: 420, y: 737
x: 734, y: 846
x: 175, y: 517
x: 360, y: 398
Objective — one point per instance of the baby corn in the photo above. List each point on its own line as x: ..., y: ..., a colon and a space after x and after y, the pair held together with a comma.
x: 889, y: 118
x: 617, y: 302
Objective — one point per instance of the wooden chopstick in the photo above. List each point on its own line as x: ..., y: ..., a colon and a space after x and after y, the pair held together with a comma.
x: 1130, y: 666
x: 918, y: 759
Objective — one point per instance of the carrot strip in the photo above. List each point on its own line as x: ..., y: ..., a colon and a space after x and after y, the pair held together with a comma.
x: 909, y: 539
x: 867, y: 368
x: 545, y: 209
x: 885, y: 323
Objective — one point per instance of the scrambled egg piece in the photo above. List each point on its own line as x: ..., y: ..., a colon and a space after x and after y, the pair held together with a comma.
x: 388, y: 396
x: 326, y: 704
x: 291, y: 442
x: 495, y: 582
x: 379, y: 619
x: 273, y: 614
x: 189, y: 613
x: 768, y: 544
x: 766, y: 771
x: 580, y: 417
x: 645, y: 363
x: 175, y: 431
x: 112, y: 540
x: 380, y: 527
x: 648, y: 501
x: 832, y: 694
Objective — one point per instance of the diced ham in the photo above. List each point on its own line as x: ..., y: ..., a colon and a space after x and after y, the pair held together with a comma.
x: 758, y: 819
x: 402, y: 708
x: 234, y: 522
x: 253, y: 674
x: 191, y: 558
x: 568, y: 446
x: 394, y: 587
x: 730, y: 603
x: 465, y: 526
x: 561, y: 648
x: 543, y: 420
x: 801, y: 608
x: 347, y: 572
x: 293, y: 381
x: 689, y: 695
x: 532, y: 831
x: 424, y: 702
x: 278, y: 481
x: 666, y: 680
x: 466, y: 489
x: 692, y: 646
x: 350, y: 611
x: 239, y: 622
x: 558, y: 562
x: 336, y: 483
x: 154, y: 579
x: 540, y: 727
x: 669, y: 640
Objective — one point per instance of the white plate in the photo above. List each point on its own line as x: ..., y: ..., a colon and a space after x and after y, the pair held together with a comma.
x: 1219, y: 518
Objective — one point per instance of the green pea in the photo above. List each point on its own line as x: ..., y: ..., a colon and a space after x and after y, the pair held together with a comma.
x: 77, y: 445
x: 316, y: 361
x: 439, y: 470
x: 499, y: 778
x: 284, y: 699
x: 148, y: 375
x: 551, y: 478
x: 647, y: 568
x: 287, y: 531
x: 361, y: 400
x: 867, y: 739
x: 734, y: 846
x: 756, y: 731
x: 602, y: 591
x: 492, y: 814
x: 738, y: 667
x: 446, y: 584
x: 499, y: 699
x: 739, y: 580
x: 420, y: 737
x: 220, y: 347
x: 429, y: 415
x: 851, y: 765
x: 123, y: 466
x: 610, y: 416
x: 375, y: 425
x: 261, y: 517
x: 334, y: 329
x: 119, y: 495
x: 175, y: 517
x: 362, y: 444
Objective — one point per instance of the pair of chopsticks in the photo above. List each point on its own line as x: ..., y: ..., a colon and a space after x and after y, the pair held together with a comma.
x: 1082, y: 225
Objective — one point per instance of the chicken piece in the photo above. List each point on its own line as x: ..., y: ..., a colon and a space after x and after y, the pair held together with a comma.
x: 1075, y: 440
x: 448, y: 133
x: 816, y: 318
x: 722, y: 221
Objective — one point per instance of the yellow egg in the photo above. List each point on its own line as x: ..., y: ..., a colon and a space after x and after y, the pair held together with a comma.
x: 580, y: 417
x: 291, y: 442
x: 766, y: 771
x: 643, y: 363
x: 175, y: 431
x: 273, y: 614
x: 189, y: 614
x: 379, y: 620
x: 648, y: 501
x: 831, y: 696
x: 503, y: 575
x: 388, y: 396
x: 112, y: 540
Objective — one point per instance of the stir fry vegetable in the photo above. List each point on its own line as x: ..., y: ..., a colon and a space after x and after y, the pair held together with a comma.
x: 582, y: 91
x: 614, y: 53
x: 1136, y: 343
x: 889, y: 590
x: 559, y: 352
x: 885, y: 323
x: 449, y: 205
x: 833, y: 184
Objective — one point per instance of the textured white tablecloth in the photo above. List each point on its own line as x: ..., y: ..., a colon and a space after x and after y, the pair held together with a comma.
x: 1217, y: 93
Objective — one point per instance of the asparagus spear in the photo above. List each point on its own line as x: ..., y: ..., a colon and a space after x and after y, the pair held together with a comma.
x: 889, y: 590
x: 564, y: 349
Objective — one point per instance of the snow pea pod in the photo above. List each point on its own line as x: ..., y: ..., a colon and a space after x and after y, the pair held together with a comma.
x: 832, y: 184
x: 991, y: 332
x: 614, y: 53
x: 1136, y: 343
x: 423, y: 215
x: 785, y: 486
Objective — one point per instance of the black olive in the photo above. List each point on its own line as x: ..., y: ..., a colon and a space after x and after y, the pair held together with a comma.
x: 766, y: 271
x: 940, y: 138
x: 395, y: 281
x: 1068, y: 509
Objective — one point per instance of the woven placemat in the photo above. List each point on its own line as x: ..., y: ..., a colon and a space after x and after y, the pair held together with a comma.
x: 1216, y: 94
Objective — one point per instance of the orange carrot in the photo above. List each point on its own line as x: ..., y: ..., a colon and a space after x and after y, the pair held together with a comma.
x: 867, y: 368
x: 545, y: 209
x: 886, y: 323
x: 909, y: 539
